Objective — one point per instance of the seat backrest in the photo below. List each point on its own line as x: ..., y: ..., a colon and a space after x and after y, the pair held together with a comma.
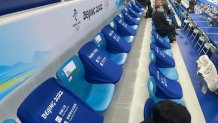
x: 115, y: 43
x: 160, y: 42
x: 162, y: 59
x: 121, y: 15
x: 152, y: 87
x: 148, y: 108
x: 113, y: 25
x: 50, y: 101
x: 166, y: 88
x: 98, y: 67
x: 129, y: 19
x: 72, y: 75
x: 100, y: 41
x: 123, y: 28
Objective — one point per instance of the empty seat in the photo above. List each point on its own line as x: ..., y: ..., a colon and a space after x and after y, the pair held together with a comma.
x: 162, y: 60
x: 72, y: 75
x: 160, y: 41
x: 130, y: 19
x: 115, y: 43
x: 132, y: 13
x: 135, y: 8
x: 124, y: 30
x: 153, y: 94
x: 149, y: 104
x: 112, y: 45
x: 128, y: 22
x: 98, y: 67
x: 52, y: 102
x: 139, y: 5
x: 166, y: 88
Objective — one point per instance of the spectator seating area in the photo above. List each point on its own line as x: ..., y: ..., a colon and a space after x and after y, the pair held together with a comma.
x: 86, y: 83
x: 163, y: 83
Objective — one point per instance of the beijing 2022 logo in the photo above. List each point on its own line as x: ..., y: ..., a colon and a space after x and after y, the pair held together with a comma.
x: 77, y: 22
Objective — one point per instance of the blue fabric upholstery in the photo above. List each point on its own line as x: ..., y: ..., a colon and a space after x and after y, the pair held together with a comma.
x: 72, y: 75
x: 113, y: 25
x: 132, y: 12
x: 10, y: 6
x: 170, y: 73
x: 44, y: 105
x: 162, y: 60
x: 166, y: 88
x: 129, y: 19
x: 9, y: 121
x: 135, y: 8
x: 152, y: 89
x: 98, y: 67
x: 123, y: 28
x: 148, y: 108
x: 139, y: 5
x: 115, y: 43
x: 117, y: 57
x: 160, y: 42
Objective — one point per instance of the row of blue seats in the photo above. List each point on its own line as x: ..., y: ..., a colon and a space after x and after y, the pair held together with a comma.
x: 85, y: 84
x: 163, y: 81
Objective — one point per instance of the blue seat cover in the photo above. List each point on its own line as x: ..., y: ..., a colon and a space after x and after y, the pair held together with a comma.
x: 149, y: 104
x: 160, y: 42
x: 136, y: 7
x: 129, y: 19
x: 132, y: 12
x: 123, y: 28
x: 166, y: 88
x: 72, y: 75
x: 98, y: 67
x: 128, y: 38
x: 116, y: 55
x: 115, y: 43
x: 162, y: 60
x: 139, y: 5
x: 51, y: 102
x: 152, y: 89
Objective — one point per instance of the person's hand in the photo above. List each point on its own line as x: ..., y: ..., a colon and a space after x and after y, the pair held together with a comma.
x: 170, y: 23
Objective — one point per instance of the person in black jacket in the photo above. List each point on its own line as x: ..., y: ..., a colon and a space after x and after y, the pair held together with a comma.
x: 163, y: 27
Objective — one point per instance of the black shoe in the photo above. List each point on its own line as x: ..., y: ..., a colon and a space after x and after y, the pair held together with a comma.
x: 177, y: 34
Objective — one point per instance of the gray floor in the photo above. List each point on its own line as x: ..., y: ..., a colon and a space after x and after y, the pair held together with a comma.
x: 127, y: 105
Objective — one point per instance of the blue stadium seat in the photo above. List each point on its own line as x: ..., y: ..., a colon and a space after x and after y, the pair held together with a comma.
x: 98, y: 67
x: 152, y: 89
x: 9, y: 121
x: 52, y: 102
x: 132, y: 13
x: 160, y: 41
x: 128, y: 22
x: 149, y: 104
x: 115, y: 43
x: 130, y: 19
x: 112, y: 48
x: 139, y: 5
x: 170, y: 73
x: 165, y: 38
x: 135, y: 8
x: 128, y: 38
x: 72, y: 75
x: 166, y: 88
x: 162, y: 60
